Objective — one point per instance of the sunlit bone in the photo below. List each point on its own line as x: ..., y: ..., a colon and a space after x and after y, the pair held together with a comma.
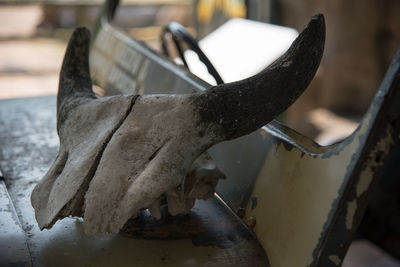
x: 121, y: 154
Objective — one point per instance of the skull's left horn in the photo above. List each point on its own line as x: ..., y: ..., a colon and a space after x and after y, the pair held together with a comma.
x: 75, y: 85
x: 238, y: 108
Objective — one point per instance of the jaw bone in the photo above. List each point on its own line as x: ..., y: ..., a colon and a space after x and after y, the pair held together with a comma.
x: 121, y: 154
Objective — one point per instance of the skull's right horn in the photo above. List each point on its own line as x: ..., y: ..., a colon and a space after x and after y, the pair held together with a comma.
x: 238, y: 108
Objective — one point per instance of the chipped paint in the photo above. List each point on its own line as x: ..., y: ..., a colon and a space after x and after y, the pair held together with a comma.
x: 364, y: 182
x: 351, y: 211
x: 335, y: 259
x: 380, y: 152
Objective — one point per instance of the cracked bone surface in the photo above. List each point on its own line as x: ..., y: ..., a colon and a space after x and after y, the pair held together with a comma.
x: 121, y: 154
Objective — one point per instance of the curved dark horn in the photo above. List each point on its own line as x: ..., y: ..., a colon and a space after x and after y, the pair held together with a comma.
x: 241, y: 107
x: 75, y: 83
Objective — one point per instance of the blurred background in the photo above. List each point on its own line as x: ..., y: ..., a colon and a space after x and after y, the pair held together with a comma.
x: 362, y: 37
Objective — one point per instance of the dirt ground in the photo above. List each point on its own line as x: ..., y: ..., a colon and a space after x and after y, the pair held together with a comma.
x: 29, y: 67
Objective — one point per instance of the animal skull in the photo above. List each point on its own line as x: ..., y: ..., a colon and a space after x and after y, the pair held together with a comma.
x: 123, y: 153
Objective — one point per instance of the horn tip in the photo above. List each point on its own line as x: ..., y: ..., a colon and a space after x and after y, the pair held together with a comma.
x: 81, y: 34
x: 317, y: 23
x: 318, y: 17
x: 77, y: 50
x: 314, y: 32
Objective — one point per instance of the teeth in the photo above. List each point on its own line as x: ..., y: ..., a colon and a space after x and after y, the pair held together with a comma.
x: 155, y: 209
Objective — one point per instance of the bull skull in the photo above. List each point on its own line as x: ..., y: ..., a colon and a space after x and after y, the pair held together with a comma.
x: 121, y: 154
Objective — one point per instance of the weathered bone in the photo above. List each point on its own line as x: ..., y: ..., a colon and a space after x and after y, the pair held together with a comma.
x: 120, y: 154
